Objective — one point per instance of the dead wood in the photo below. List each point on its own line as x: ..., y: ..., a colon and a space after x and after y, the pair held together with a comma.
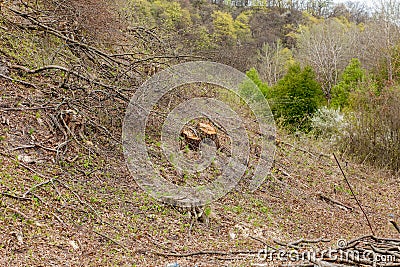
x: 111, y: 239
x: 331, y: 200
x: 354, y: 195
x: 18, y: 81
x: 395, y: 225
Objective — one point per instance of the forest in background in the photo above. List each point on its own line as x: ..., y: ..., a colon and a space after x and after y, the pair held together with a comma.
x: 326, y: 68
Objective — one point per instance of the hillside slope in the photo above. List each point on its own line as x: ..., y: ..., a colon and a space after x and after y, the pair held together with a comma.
x: 68, y: 199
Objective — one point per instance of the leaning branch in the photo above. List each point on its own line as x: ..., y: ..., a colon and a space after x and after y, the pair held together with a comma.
x: 110, y: 239
x: 328, y: 199
x: 62, y: 36
x: 64, y: 69
x: 18, y: 81
x: 354, y: 195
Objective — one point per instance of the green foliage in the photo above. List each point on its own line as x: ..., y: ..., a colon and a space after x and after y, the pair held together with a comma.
x: 29, y: 49
x: 140, y: 12
x: 255, y: 77
x: 204, y: 39
x: 296, y: 97
x: 327, y: 47
x: 242, y: 27
x: 166, y: 14
x: 224, y: 27
x: 170, y: 14
x: 352, y: 75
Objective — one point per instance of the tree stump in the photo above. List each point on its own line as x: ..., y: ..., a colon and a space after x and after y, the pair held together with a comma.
x: 208, y: 131
x: 191, y: 139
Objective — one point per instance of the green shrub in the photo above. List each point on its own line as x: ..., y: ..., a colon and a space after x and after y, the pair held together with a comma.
x: 255, y: 77
x: 351, y: 76
x: 224, y: 28
x: 296, y: 97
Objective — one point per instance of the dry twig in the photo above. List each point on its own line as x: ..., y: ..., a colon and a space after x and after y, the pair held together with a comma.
x: 331, y: 200
x: 354, y: 195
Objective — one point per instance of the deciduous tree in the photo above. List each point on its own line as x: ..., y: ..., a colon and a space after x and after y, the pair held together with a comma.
x: 351, y: 76
x: 274, y: 61
x: 327, y: 47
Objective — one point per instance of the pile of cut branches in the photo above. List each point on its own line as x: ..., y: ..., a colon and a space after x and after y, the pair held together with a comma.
x: 69, y: 85
x: 83, y: 80
x: 363, y: 251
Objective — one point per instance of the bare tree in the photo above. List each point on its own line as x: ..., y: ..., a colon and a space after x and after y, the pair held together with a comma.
x: 327, y: 47
x: 384, y: 32
x: 353, y: 11
x: 273, y: 62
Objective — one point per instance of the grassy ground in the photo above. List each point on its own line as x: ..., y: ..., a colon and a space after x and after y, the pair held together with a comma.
x: 88, y: 210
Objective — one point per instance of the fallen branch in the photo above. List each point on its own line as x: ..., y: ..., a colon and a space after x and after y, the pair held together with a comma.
x: 62, y: 36
x: 26, y: 217
x: 395, y: 225
x: 206, y: 252
x: 354, y: 195
x: 33, y: 71
x: 66, y: 70
x: 110, y: 239
x: 385, y: 252
x: 32, y: 170
x: 51, y: 180
x: 284, y: 172
x: 24, y: 109
x: 321, y: 263
x: 283, y: 244
x: 23, y: 215
x: 84, y: 203
x: 18, y: 81
x: 259, y: 240
x: 15, y: 196
x: 34, y: 146
x: 37, y: 186
x: 328, y: 199
x: 309, y: 241
x: 301, y: 149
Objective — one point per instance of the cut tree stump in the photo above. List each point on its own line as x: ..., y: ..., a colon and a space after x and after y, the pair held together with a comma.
x: 208, y: 131
x: 191, y: 139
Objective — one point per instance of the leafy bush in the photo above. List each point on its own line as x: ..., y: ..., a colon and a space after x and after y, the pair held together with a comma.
x: 328, y: 123
x: 296, y: 97
x: 351, y: 76
x: 373, y: 132
x: 167, y: 15
x: 242, y: 26
x: 255, y: 77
